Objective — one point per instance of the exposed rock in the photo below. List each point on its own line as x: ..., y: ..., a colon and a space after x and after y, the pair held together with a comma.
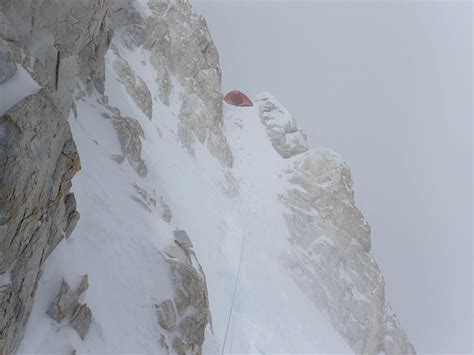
x: 39, y: 160
x: 167, y: 314
x: 181, y: 237
x: 65, y: 304
x: 81, y: 321
x: 71, y: 213
x: 118, y: 158
x: 7, y: 65
x: 59, y: 43
x: 145, y: 198
x: 91, y: 62
x: 7, y: 31
x: 167, y: 214
x: 183, y: 49
x: 129, y: 132
x: 287, y: 139
x: 396, y: 341
x: 83, y: 286
x: 134, y: 84
x: 191, y: 298
x: 331, y: 244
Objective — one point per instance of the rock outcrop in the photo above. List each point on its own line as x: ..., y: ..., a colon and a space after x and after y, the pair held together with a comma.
x: 7, y: 65
x: 81, y: 320
x: 287, y: 139
x: 181, y: 50
x: 188, y: 312
x: 66, y: 305
x: 39, y: 159
x: 130, y: 132
x: 62, y: 45
x: 135, y: 85
x: 331, y: 239
x: 58, y: 44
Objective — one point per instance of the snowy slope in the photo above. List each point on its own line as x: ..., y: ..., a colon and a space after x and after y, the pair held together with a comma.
x: 118, y: 243
x: 273, y: 224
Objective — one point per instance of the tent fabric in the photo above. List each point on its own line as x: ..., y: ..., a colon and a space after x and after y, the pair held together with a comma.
x: 237, y: 98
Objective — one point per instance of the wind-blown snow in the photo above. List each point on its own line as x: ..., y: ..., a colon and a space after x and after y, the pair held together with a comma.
x: 118, y: 243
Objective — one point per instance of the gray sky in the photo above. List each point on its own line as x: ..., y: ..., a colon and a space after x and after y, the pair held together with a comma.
x: 388, y: 85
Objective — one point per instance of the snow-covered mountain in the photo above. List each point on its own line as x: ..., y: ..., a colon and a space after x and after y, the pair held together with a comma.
x: 204, y: 227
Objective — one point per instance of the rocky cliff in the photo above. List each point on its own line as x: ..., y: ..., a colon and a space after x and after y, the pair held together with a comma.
x: 331, y: 239
x: 56, y: 46
x: 170, y: 175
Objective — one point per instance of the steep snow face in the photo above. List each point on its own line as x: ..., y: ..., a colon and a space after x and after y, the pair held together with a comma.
x: 139, y: 182
x: 204, y: 227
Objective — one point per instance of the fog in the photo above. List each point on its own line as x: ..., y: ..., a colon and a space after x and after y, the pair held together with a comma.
x: 388, y: 85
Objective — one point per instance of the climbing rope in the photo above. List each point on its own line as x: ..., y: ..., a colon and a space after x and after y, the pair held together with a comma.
x: 234, y: 293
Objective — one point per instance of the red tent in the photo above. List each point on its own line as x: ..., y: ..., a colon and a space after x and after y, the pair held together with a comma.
x: 237, y: 98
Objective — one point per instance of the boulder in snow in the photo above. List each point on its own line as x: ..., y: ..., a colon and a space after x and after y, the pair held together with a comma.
x: 65, y: 304
x: 182, y: 239
x: 166, y: 314
x: 81, y: 320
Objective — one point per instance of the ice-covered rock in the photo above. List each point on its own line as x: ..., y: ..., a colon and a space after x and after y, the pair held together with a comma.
x: 180, y: 47
x: 191, y: 299
x: 331, y: 239
x: 282, y: 129
x: 332, y: 261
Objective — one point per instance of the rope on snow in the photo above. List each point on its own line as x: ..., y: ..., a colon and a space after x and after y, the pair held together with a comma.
x: 234, y: 293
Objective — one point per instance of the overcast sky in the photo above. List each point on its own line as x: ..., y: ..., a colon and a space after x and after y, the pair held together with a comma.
x: 388, y: 86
